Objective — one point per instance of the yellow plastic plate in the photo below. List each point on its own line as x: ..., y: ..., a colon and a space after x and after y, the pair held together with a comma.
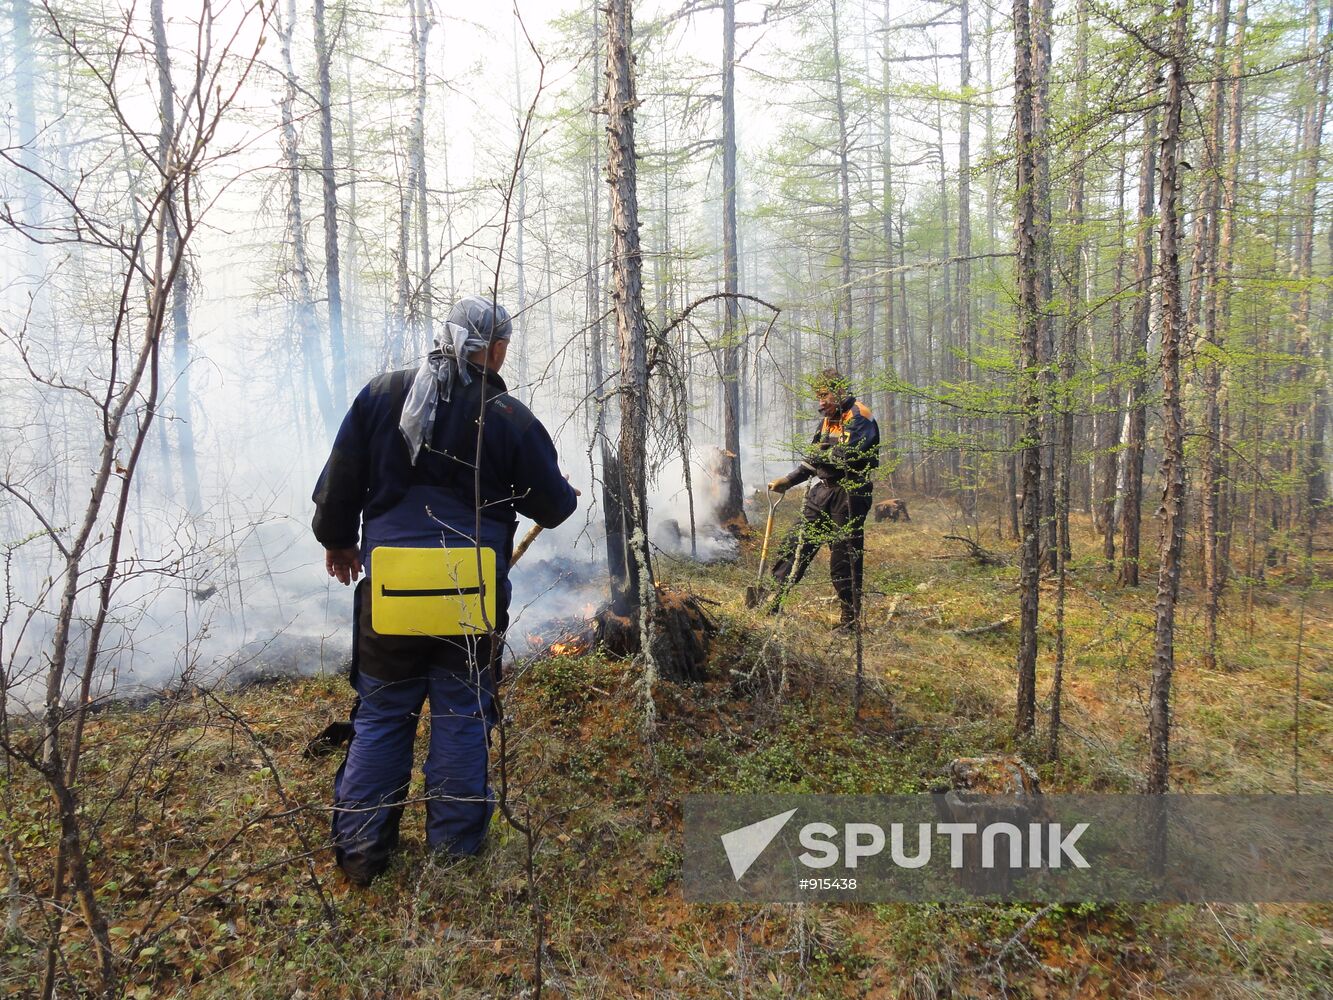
x: 432, y: 591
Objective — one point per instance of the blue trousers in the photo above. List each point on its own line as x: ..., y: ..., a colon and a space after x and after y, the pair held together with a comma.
x: 394, y: 678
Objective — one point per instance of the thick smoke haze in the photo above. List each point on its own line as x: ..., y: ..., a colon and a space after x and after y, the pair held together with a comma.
x: 223, y: 575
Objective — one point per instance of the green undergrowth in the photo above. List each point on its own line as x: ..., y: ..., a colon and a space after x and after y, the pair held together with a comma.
x: 211, y: 862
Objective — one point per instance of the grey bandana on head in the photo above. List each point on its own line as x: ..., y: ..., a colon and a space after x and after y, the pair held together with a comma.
x: 473, y: 324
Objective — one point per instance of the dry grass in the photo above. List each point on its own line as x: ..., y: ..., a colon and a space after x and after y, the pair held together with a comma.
x: 243, y: 919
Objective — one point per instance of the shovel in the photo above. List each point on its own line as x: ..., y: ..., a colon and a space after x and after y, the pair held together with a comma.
x: 530, y: 537
x: 526, y: 541
x: 754, y: 594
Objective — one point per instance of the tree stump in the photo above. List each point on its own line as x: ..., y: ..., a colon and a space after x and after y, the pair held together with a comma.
x: 685, y: 631
x: 974, y: 785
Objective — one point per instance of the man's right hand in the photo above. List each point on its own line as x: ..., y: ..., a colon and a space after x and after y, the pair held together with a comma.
x: 778, y: 486
x: 344, y: 565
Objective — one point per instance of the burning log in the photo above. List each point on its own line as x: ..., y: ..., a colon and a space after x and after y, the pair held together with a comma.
x: 605, y: 629
x: 682, y: 618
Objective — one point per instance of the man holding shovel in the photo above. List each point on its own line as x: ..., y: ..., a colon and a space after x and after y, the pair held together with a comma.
x: 842, y: 457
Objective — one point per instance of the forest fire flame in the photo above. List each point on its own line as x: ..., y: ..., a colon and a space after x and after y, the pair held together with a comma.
x: 574, y: 636
x: 575, y: 647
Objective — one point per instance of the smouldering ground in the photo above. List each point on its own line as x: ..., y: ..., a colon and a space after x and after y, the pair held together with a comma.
x: 208, y: 816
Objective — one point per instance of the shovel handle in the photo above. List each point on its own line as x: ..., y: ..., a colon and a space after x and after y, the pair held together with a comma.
x: 527, y: 540
x: 768, y: 531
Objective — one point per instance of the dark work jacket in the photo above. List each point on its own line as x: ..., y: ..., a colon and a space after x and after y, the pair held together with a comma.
x: 370, y: 491
x: 844, y: 452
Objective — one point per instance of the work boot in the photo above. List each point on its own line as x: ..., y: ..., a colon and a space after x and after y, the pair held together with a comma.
x: 847, y: 623
x: 361, y: 867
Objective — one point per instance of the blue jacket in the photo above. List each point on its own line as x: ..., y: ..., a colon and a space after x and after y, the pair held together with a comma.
x: 370, y: 491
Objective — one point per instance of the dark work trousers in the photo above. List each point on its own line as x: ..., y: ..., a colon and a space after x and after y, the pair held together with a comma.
x: 834, y: 517
x: 394, y: 676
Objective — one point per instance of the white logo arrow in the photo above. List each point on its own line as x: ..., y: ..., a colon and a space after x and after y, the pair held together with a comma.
x: 744, y: 846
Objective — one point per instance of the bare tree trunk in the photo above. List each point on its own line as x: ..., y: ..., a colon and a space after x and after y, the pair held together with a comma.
x: 180, y: 308
x: 1031, y: 237
x: 424, y: 306
x: 1313, y: 355
x: 353, y: 260
x: 401, y: 307
x: 947, y: 369
x: 1075, y: 303
x: 963, y: 311
x: 25, y: 107
x: 1319, y: 499
x: 1131, y: 507
x: 624, y: 594
x: 1006, y: 473
x: 889, y: 404
x: 932, y: 376
x: 305, y: 309
x: 843, y: 332
x: 1173, y: 416
x: 521, y: 219
x: 1211, y: 443
x: 1111, y: 446
x: 548, y: 261
x: 1042, y: 23
x: 1013, y: 499
x: 332, y: 262
x: 732, y: 509
x: 631, y: 329
x: 594, y: 266
x: 905, y: 329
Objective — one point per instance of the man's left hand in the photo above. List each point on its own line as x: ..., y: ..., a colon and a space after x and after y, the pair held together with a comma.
x: 344, y: 565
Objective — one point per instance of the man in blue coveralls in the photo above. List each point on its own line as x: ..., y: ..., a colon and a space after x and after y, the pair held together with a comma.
x: 440, y: 455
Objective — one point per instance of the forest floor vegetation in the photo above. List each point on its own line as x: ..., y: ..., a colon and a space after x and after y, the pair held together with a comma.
x: 212, y: 865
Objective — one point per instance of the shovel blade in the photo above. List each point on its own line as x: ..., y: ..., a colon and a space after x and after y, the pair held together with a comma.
x: 754, y: 596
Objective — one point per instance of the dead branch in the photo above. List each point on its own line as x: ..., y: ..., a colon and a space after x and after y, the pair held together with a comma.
x: 994, y: 626
x: 983, y: 557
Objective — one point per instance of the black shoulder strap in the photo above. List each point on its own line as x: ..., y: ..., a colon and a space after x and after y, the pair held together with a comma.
x: 399, y: 383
